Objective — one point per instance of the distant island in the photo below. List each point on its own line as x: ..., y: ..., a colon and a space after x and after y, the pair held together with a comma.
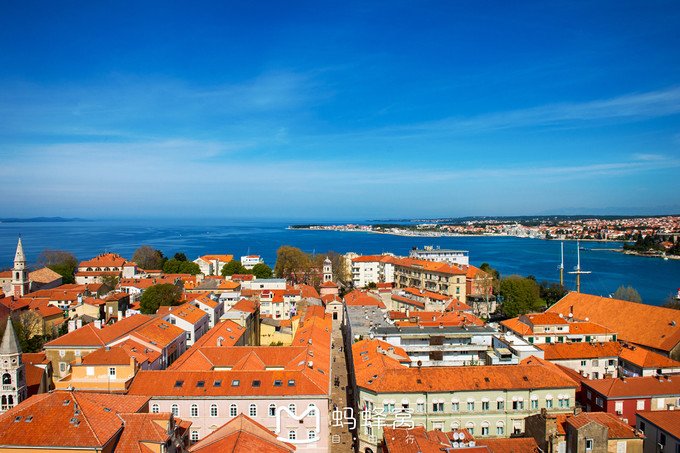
x: 41, y: 219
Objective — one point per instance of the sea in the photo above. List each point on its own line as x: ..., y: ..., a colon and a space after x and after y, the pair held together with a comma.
x: 655, y: 279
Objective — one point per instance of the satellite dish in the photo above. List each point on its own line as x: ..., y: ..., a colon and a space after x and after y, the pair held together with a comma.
x: 455, y: 445
x: 561, y: 315
x: 455, y: 436
x: 587, y: 319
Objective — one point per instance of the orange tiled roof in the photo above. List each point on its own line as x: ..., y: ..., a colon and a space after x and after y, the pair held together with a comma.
x: 582, y: 350
x: 543, y: 319
x: 645, y: 358
x: 48, y: 420
x: 510, y: 445
x: 115, y: 355
x: 661, y: 325
x: 43, y: 275
x: 430, y: 266
x: 308, y: 292
x: 617, y: 429
x: 226, y: 333
x: 635, y: 386
x: 187, y: 312
x: 416, y: 440
x: 104, y: 260
x: 240, y: 435
x: 386, y: 375
x: 90, y: 336
x: 143, y: 428
x: 220, y: 258
x: 158, y: 332
x: 362, y: 299
x: 668, y: 421
x: 246, y: 305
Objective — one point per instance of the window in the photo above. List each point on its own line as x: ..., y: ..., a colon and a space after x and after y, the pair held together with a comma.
x: 112, y: 372
x: 420, y: 407
x: 233, y: 410
x: 312, y: 409
x: 194, y: 410
x: 213, y: 410
x: 588, y: 394
x: 175, y: 410
x: 388, y: 408
x: 62, y: 366
x: 640, y: 405
x: 311, y: 434
x: 272, y: 410
x: 596, y: 362
x: 292, y: 409
x: 500, y: 405
x: 252, y: 410
x: 470, y: 406
x: 517, y: 405
x: 188, y: 336
x: 485, y: 430
x: 589, y: 444
x: 534, y: 404
x: 599, y: 401
x: 662, y: 439
x: 155, y: 409
x: 194, y: 435
x: 235, y: 383
x: 583, y: 363
x: 292, y: 435
x: 437, y: 407
x: 455, y: 407
x: 618, y: 406
x: 549, y: 403
x: 500, y: 429
x: 642, y: 426
x: 485, y: 405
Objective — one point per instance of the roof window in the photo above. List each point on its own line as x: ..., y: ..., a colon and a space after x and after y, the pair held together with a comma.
x: 217, y: 383
x: 235, y: 383
x: 291, y: 383
x: 278, y: 383
x: 200, y: 384
x: 179, y: 384
x: 256, y: 383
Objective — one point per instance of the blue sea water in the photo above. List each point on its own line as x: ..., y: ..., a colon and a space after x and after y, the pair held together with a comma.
x: 654, y: 278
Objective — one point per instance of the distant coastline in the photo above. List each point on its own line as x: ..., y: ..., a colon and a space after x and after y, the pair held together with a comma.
x: 41, y: 219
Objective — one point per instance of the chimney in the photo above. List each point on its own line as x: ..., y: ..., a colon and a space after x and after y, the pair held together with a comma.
x: 71, y: 325
x: 120, y: 315
x: 79, y: 360
x: 79, y: 323
x: 80, y: 299
x: 98, y: 324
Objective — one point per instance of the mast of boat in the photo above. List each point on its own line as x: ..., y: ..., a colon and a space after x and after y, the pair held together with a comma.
x: 577, y: 270
x: 561, y: 266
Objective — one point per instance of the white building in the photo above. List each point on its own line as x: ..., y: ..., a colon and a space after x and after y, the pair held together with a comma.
x: 372, y: 269
x: 194, y: 321
x: 259, y: 284
x: 430, y: 253
x: 213, y: 307
x: 249, y: 261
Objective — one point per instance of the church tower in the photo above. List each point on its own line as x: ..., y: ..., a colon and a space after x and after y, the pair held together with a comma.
x: 327, y: 270
x: 12, y: 370
x: 20, y: 283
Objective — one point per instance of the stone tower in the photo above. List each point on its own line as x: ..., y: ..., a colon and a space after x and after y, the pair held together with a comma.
x: 20, y: 283
x: 12, y: 370
x: 327, y: 270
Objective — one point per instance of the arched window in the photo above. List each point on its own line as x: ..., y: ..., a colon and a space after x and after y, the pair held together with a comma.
x: 312, y: 409
x: 292, y: 435
x: 252, y: 410
x: 292, y: 408
x: 213, y: 410
x: 500, y: 428
x: 10, y: 401
x: 233, y: 410
x: 175, y: 410
x: 311, y: 434
x: 470, y: 427
x: 155, y: 409
x: 272, y: 410
x: 6, y: 379
x: 194, y: 410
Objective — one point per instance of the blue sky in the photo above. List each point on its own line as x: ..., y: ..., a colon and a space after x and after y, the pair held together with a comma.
x: 339, y: 109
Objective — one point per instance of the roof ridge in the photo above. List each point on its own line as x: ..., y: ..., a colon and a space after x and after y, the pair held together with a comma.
x: 85, y: 418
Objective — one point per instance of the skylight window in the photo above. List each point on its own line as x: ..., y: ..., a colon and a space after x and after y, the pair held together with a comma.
x: 235, y: 383
x: 179, y: 384
x: 278, y: 383
x: 256, y: 383
x: 291, y: 383
x: 217, y: 383
x: 200, y: 384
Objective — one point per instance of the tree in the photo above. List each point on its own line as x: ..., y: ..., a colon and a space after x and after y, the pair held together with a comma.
x: 520, y: 295
x: 175, y: 266
x: 261, y: 270
x: 158, y: 295
x: 110, y: 281
x: 180, y: 256
x: 552, y: 292
x: 62, y: 262
x: 28, y: 326
x: 291, y: 263
x: 627, y: 293
x: 148, y: 258
x: 233, y: 267
x: 490, y: 270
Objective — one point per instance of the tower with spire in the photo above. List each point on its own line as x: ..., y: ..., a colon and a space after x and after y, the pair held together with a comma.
x: 327, y: 270
x: 12, y: 370
x: 20, y: 282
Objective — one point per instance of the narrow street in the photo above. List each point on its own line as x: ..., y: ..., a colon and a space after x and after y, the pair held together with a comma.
x: 341, y: 436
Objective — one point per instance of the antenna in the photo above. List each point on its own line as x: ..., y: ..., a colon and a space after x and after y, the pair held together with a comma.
x: 577, y: 270
x: 561, y: 266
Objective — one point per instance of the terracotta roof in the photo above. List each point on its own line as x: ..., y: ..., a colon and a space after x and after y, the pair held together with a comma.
x: 308, y: 292
x: 582, y: 350
x: 89, y: 335
x: 668, y: 421
x: 220, y: 258
x: 645, y: 358
x: 226, y: 333
x: 329, y: 284
x: 115, y: 355
x: 35, y: 358
x: 509, y: 445
x: 475, y: 272
x: 614, y: 388
x: 158, y: 332
x: 435, y: 319
x: 617, y: 429
x: 104, y: 260
x: 246, y: 305
x: 145, y: 283
x: 241, y: 435
x: 187, y: 312
x: 358, y: 298
x: 382, y: 372
x: 147, y: 428
x: 429, y: 266
x: 139, y: 351
x: 661, y: 325
x: 415, y: 440
x: 543, y: 319
x: 43, y: 275
x: 49, y: 420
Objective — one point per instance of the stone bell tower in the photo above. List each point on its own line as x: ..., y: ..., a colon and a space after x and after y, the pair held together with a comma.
x: 12, y: 370
x: 20, y: 282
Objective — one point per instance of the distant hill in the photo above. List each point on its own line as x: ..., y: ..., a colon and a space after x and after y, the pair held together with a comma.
x: 41, y: 219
